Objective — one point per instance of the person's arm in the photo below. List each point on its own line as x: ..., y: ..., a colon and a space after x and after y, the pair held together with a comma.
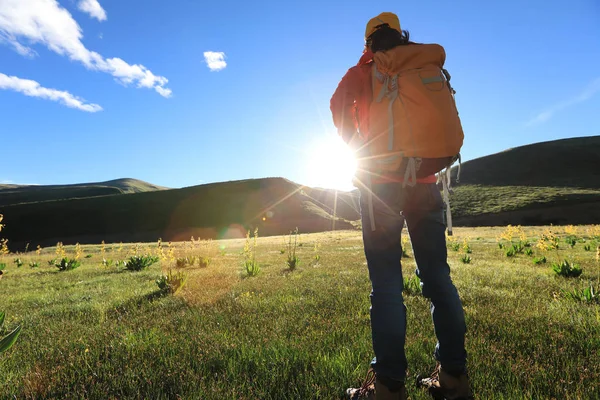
x: 343, y: 106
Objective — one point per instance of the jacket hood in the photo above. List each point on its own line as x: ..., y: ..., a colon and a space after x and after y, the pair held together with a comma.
x: 366, y: 58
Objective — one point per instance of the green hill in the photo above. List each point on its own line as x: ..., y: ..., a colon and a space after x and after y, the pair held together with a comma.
x: 571, y: 162
x: 217, y: 210
x: 18, y: 194
x: 554, y: 182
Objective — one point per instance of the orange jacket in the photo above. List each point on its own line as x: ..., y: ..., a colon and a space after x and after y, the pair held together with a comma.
x: 352, y: 98
x: 350, y: 108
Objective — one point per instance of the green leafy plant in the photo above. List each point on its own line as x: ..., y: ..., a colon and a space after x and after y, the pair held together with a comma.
x: 106, y: 262
x: 587, y: 247
x: 317, y: 256
x: 203, y: 262
x: 405, y: 252
x: 292, y: 259
x: 466, y: 259
x: 251, y: 266
x: 89, y: 255
x: 539, y: 260
x: 466, y: 247
x: 52, y: 262
x: 138, y: 263
x: 2, y: 266
x: 412, y: 285
x: 190, y: 261
x: 172, y: 282
x: 34, y: 264
x: 404, y: 245
x: 18, y: 262
x: 67, y: 264
x: 588, y: 294
x: 500, y: 246
x: 529, y: 251
x: 454, y: 246
x: 9, y: 340
x: 567, y: 269
x: 519, y: 247
x: 571, y: 241
x: 181, y: 262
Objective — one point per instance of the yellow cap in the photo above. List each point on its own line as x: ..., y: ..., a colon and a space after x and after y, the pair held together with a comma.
x: 384, y: 18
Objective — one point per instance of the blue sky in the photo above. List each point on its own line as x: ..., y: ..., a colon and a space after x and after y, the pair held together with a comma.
x: 101, y: 107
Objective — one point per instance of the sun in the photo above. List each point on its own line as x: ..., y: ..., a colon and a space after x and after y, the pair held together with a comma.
x: 331, y: 164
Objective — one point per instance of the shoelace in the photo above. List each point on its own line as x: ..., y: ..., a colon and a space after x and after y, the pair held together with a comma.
x: 435, y: 375
x: 366, y: 386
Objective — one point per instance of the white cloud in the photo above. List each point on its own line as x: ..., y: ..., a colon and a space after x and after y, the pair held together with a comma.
x: 18, y: 47
x: 165, y: 92
x: 93, y: 8
x: 33, y: 89
x: 588, y: 92
x: 215, y: 60
x: 25, y: 22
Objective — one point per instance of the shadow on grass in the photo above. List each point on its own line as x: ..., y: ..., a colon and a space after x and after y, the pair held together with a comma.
x: 134, y: 304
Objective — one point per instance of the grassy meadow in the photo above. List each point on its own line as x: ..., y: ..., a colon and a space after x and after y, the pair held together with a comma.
x: 103, y: 332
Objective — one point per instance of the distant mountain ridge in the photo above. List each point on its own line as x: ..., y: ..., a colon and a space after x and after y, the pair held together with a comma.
x: 555, y: 182
x: 216, y: 210
x: 11, y: 194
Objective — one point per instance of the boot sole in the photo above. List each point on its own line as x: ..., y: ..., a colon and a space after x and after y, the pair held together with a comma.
x: 434, y: 392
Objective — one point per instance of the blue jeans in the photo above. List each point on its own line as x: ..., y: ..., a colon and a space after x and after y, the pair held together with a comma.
x: 421, y: 207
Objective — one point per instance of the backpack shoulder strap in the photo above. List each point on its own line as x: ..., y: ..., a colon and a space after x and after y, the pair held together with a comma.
x: 447, y: 76
x: 389, y: 83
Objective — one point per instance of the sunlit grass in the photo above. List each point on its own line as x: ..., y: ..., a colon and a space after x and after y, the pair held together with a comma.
x: 100, y: 332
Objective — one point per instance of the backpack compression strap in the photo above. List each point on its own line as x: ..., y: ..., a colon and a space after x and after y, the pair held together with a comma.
x: 389, y: 89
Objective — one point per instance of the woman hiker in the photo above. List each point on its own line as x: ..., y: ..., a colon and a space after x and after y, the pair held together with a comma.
x: 387, y: 202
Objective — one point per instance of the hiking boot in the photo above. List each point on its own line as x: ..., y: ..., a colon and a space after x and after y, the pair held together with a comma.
x: 382, y: 392
x: 443, y: 385
x: 372, y: 389
x: 366, y: 391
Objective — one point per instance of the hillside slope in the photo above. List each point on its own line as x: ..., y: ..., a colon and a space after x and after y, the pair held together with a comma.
x: 573, y: 162
x: 554, y: 182
x: 217, y: 210
x: 18, y: 194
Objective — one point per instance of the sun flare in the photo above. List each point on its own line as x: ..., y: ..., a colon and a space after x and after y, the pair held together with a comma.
x: 331, y: 164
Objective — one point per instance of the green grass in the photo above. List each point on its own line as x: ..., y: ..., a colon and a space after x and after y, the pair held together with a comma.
x: 98, y: 333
